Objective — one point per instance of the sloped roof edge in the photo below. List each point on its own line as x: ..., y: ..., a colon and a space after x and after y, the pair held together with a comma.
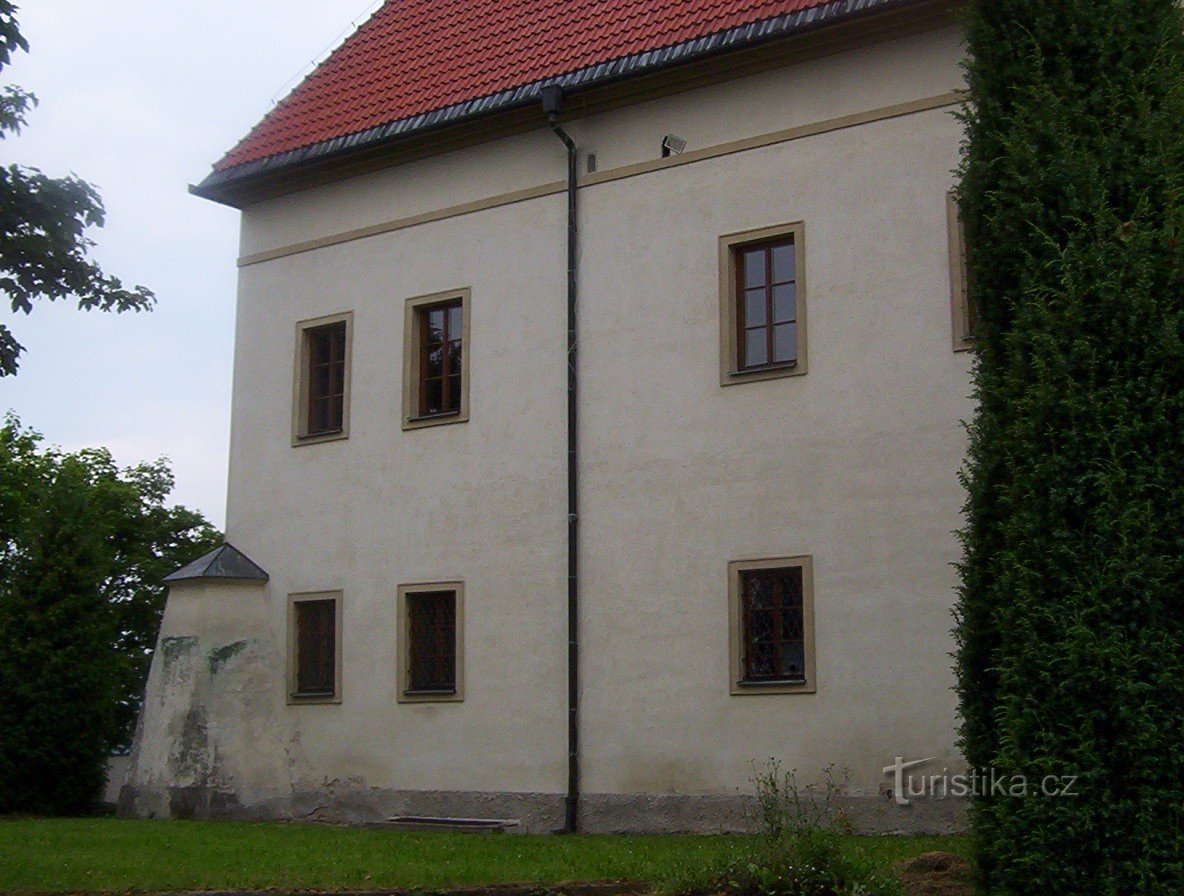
x: 225, y: 563
x: 220, y: 185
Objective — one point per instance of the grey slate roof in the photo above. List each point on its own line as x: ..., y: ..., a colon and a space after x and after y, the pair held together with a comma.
x: 226, y: 563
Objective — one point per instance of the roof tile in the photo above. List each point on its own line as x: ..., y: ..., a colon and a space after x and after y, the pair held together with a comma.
x: 417, y: 56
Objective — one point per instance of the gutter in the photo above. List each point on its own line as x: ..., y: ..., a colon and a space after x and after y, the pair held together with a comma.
x: 552, y: 99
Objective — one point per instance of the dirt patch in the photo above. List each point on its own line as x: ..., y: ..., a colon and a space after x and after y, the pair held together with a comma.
x: 937, y: 874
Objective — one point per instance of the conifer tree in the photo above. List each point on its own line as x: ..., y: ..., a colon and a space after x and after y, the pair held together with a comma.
x: 1071, y: 613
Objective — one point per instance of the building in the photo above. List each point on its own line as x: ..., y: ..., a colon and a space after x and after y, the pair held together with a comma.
x: 762, y: 437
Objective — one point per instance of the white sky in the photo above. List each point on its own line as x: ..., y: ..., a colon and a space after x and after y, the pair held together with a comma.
x: 140, y: 97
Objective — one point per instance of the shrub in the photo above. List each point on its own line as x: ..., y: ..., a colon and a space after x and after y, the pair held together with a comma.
x: 802, y: 852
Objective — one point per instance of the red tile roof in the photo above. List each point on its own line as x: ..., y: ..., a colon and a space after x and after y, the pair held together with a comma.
x: 417, y: 56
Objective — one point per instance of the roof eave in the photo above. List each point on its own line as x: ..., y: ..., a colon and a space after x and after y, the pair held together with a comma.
x: 241, y: 184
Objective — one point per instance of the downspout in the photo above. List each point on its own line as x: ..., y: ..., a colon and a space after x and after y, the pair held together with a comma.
x: 552, y: 97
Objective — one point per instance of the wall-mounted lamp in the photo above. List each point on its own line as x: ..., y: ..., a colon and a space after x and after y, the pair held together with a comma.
x: 672, y: 146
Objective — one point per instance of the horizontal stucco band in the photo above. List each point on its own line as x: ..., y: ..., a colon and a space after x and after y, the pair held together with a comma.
x: 798, y: 132
x: 351, y: 802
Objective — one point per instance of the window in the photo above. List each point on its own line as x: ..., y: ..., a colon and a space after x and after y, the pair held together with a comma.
x: 321, y: 401
x: 772, y: 626
x: 762, y: 304
x: 436, y: 364
x: 963, y: 312
x: 431, y: 660
x: 314, y: 647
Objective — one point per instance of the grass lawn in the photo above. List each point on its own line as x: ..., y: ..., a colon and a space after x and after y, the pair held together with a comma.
x: 112, y: 855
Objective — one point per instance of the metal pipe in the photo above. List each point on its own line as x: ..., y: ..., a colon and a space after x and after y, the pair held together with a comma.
x: 552, y: 98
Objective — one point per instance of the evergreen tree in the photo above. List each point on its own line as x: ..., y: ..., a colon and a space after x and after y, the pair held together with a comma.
x: 1071, y: 614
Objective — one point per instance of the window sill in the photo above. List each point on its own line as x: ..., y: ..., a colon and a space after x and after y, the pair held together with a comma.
x: 331, y: 435
x: 776, y: 686
x: 431, y: 696
x: 764, y: 372
x: 313, y: 698
x: 440, y: 419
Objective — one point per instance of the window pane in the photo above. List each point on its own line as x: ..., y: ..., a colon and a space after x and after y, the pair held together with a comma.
x: 783, y: 263
x: 793, y: 660
x: 454, y: 357
x: 785, y: 299
x: 454, y: 322
x: 755, y: 308
x: 756, y: 350
x: 435, y: 325
x: 434, y: 361
x: 760, y: 627
x: 754, y: 268
x: 785, y: 342
x: 318, y: 415
x: 433, y: 391
x: 318, y: 382
x: 454, y: 393
x: 318, y: 347
x: 790, y: 621
x: 762, y: 661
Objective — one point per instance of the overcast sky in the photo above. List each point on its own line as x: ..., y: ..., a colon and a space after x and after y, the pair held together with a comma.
x: 140, y: 97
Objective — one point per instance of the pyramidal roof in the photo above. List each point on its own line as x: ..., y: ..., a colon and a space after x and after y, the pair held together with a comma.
x: 419, y: 64
x: 227, y: 563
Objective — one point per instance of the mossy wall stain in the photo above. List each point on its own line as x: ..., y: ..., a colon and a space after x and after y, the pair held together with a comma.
x: 220, y: 656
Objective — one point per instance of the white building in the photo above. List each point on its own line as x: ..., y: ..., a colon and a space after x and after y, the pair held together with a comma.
x: 765, y: 429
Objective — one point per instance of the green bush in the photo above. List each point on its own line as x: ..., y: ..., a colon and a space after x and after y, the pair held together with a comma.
x: 1071, y: 612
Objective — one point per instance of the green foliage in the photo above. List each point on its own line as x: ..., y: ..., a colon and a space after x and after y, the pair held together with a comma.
x: 809, y: 862
x: 783, y: 806
x: 804, y: 850
x: 1071, y: 612
x: 43, y: 223
x: 84, y: 546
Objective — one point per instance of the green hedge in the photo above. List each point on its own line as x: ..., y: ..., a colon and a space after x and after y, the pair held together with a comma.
x: 1071, y: 615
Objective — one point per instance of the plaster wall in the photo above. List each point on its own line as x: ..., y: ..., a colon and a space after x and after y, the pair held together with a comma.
x: 853, y: 463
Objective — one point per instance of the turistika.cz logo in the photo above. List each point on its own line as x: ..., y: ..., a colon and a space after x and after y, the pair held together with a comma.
x: 977, y: 782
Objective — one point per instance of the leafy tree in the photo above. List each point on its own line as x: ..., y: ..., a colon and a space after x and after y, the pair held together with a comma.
x: 1071, y: 613
x: 83, y: 548
x: 43, y: 222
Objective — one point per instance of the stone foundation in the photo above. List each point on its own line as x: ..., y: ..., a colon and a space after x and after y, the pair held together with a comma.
x: 536, y: 813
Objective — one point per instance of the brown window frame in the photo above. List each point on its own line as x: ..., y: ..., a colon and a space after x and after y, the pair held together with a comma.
x: 449, y: 600
x: 962, y: 311
x: 417, y: 378
x: 301, y: 610
x: 733, y: 323
x: 338, y: 330
x: 451, y: 343
x: 742, y: 678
